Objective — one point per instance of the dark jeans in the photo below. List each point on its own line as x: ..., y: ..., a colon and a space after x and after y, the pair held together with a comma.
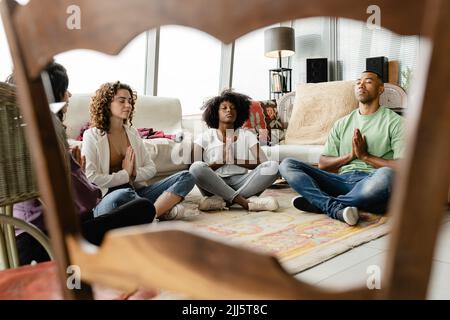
x: 30, y: 249
x: 332, y: 192
x: 136, y: 212
x: 180, y: 183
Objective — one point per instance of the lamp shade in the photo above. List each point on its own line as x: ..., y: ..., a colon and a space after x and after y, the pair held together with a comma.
x: 279, y: 41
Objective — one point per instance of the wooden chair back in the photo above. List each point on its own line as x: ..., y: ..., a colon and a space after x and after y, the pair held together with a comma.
x: 180, y: 260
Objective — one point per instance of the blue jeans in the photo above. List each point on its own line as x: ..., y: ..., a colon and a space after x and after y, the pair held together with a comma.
x: 332, y: 192
x: 180, y: 183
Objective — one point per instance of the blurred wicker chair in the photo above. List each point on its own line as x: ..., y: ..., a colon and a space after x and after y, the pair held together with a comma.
x: 17, y: 181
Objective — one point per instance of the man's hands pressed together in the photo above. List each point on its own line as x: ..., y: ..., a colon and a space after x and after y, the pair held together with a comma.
x: 359, y: 146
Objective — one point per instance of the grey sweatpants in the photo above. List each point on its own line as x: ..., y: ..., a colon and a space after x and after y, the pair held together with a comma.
x: 245, y: 185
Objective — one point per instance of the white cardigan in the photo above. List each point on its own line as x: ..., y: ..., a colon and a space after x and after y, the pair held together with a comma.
x: 95, y: 148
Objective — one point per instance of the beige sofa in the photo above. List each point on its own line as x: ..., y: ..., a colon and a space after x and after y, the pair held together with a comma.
x: 159, y: 113
x: 332, y: 100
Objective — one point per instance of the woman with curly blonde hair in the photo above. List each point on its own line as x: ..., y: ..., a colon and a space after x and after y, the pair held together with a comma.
x: 117, y: 160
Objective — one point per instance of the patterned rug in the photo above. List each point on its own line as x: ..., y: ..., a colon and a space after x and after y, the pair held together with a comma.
x: 300, y: 240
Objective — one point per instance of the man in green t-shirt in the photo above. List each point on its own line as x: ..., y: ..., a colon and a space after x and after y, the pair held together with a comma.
x: 356, y: 166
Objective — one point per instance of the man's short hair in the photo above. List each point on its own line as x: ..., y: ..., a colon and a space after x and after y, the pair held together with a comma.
x: 375, y: 73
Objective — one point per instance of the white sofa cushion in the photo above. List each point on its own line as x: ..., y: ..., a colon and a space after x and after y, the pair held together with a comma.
x: 169, y: 156
x: 77, y: 114
x: 307, y: 153
x: 159, y: 113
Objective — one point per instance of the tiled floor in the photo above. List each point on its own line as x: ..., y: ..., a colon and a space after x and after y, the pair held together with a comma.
x: 356, y: 266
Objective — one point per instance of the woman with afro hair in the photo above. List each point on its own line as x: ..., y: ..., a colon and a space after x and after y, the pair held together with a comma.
x: 225, y: 152
x: 118, y: 162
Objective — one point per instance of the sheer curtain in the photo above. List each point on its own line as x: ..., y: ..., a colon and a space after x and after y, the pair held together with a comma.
x: 312, y: 40
x: 251, y: 66
x: 356, y: 42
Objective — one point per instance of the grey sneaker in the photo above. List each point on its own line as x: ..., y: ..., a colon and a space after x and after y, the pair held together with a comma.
x: 212, y: 203
x: 349, y: 215
x: 262, y: 204
x: 178, y: 212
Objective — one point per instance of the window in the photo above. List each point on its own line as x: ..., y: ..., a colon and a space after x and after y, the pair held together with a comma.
x: 356, y: 42
x: 88, y: 69
x: 189, y: 66
x: 251, y: 66
x: 312, y: 40
x: 6, y: 65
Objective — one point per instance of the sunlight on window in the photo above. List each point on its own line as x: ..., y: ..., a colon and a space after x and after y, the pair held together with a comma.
x: 312, y: 40
x: 5, y: 56
x: 89, y: 69
x: 251, y: 66
x: 189, y: 66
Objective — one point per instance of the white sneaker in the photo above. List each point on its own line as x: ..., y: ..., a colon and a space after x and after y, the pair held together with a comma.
x: 178, y: 212
x: 212, y: 203
x: 262, y: 204
x: 349, y: 215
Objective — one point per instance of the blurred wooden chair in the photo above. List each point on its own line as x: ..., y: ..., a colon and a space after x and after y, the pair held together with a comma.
x: 17, y: 181
x: 180, y: 260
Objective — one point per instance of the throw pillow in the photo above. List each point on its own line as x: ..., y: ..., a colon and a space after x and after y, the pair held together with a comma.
x: 285, y: 104
x: 265, y: 122
x: 317, y: 106
x: 85, y: 127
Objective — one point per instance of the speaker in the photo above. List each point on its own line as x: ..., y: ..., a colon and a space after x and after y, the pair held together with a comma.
x: 379, y: 65
x: 316, y: 70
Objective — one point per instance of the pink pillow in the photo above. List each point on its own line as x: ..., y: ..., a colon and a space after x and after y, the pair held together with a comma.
x: 82, y: 130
